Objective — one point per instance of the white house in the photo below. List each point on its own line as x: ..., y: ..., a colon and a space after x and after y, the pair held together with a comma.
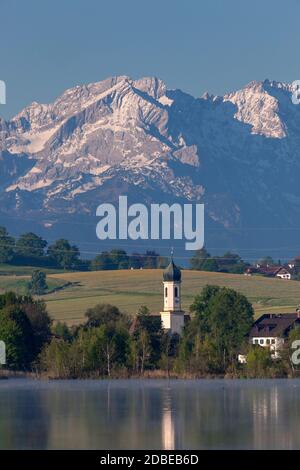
x: 271, y: 330
x: 284, y: 273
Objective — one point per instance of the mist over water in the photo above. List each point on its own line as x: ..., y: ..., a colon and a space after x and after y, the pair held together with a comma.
x: 150, y: 414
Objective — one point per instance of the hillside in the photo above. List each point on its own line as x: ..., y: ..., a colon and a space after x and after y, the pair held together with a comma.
x: 131, y: 289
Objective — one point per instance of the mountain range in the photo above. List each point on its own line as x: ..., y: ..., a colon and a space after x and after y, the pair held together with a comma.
x: 239, y: 154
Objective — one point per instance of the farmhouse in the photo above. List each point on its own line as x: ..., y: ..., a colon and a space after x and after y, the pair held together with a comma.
x: 282, y: 272
x: 271, y: 330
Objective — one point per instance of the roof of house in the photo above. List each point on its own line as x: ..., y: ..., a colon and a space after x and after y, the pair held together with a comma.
x: 283, y: 270
x: 267, y: 270
x: 270, y: 270
x: 274, y: 325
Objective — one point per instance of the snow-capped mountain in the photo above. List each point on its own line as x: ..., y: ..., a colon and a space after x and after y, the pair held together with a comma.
x: 239, y: 154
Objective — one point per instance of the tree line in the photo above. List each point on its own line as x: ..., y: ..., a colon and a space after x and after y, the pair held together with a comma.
x: 32, y: 250
x: 232, y: 263
x: 111, y: 344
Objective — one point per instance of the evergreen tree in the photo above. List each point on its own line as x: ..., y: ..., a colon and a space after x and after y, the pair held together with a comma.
x: 38, y: 284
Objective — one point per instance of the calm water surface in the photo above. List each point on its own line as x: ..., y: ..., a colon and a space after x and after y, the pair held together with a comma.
x: 150, y: 414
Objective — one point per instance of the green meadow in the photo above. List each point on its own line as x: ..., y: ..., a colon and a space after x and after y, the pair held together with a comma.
x: 129, y: 289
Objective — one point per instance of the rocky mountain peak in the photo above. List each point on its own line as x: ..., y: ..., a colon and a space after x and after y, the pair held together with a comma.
x: 138, y: 137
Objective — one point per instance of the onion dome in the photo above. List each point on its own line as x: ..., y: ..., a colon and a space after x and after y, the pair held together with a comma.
x: 172, y: 273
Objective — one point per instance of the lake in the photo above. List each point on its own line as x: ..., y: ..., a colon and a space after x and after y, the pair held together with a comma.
x: 150, y: 414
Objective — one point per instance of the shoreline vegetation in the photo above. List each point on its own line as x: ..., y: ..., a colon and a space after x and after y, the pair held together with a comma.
x: 110, y: 344
x: 157, y: 374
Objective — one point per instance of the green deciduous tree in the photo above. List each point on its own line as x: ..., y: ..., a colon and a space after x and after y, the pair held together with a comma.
x: 103, y: 314
x: 30, y: 245
x: 63, y: 254
x: 200, y: 260
x: 259, y: 362
x: 40, y: 321
x: 231, y: 263
x: 7, y: 245
x: 101, y: 262
x: 62, y: 331
x: 221, y: 320
x: 146, y: 341
x: 24, y: 327
x: 17, y: 334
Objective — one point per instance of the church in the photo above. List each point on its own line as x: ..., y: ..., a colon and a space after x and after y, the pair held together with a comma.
x: 172, y: 316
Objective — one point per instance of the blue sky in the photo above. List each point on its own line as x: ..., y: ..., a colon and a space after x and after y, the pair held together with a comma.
x: 210, y: 45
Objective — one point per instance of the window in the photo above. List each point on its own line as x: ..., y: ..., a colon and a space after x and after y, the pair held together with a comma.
x: 176, y: 292
x: 273, y: 341
x: 256, y: 341
x: 261, y: 341
x: 166, y: 292
x: 268, y: 341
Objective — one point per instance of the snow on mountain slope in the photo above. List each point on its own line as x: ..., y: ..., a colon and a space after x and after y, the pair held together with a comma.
x: 239, y: 154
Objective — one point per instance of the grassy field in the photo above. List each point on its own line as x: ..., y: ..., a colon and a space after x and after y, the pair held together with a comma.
x: 131, y: 289
x: 19, y: 284
x: 8, y: 269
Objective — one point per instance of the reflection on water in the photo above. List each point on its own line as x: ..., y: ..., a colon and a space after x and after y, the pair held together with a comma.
x: 152, y: 414
x: 168, y: 427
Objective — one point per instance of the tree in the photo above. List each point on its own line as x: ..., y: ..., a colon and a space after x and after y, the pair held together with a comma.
x: 24, y: 326
x: 259, y: 362
x: 63, y: 254
x: 202, y: 259
x: 143, y: 311
x: 103, y: 314
x: 119, y: 259
x: 151, y: 260
x: 267, y: 261
x: 113, y: 342
x: 17, y: 334
x: 101, y: 262
x: 103, y: 348
x: 222, y: 319
x: 30, y: 245
x: 7, y: 245
x: 57, y: 358
x: 210, y: 264
x: 40, y: 321
x: 146, y: 340
x: 136, y: 261
x: 62, y: 331
x: 38, y: 284
x: 169, y: 350
x: 231, y: 263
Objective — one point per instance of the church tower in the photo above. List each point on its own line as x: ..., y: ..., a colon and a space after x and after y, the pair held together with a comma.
x: 172, y: 316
